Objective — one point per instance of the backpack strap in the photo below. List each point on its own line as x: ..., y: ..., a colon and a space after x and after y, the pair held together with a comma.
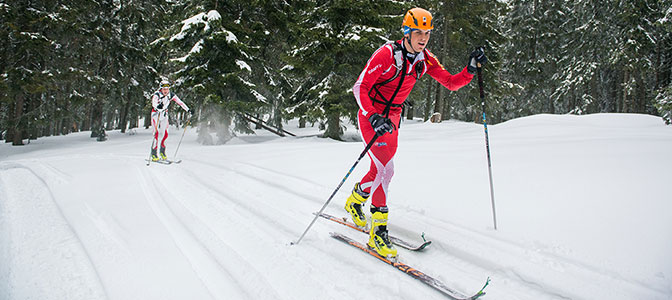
x: 400, y: 65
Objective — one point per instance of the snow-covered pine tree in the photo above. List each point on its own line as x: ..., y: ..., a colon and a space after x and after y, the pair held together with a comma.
x: 137, y: 24
x: 663, y: 62
x: 213, y: 63
x: 337, y: 38
x: 606, y: 64
x: 27, y: 74
x: 530, y: 56
x: 460, y: 27
x: 268, y: 39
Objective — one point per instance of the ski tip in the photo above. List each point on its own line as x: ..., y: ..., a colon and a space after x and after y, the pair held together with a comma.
x: 424, y: 245
x: 482, y: 291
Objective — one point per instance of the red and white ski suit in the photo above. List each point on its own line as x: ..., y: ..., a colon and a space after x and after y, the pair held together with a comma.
x: 160, y: 116
x: 382, y: 66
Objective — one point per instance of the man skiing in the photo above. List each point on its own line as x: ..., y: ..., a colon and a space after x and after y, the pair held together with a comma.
x: 160, y: 101
x: 380, y: 91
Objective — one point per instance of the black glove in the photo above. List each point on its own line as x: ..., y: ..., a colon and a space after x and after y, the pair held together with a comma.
x: 160, y: 106
x: 476, y: 57
x: 380, y: 124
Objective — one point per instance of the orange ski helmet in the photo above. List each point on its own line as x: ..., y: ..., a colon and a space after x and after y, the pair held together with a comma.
x: 417, y: 18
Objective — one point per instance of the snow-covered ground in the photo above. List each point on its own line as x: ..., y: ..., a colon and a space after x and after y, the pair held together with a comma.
x: 583, y: 207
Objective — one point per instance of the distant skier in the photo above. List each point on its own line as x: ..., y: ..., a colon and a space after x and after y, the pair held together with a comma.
x: 381, y: 91
x: 160, y: 101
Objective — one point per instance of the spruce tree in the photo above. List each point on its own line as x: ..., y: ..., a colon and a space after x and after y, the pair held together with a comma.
x: 213, y: 63
x: 530, y: 56
x: 337, y: 39
x: 27, y: 72
x: 663, y: 61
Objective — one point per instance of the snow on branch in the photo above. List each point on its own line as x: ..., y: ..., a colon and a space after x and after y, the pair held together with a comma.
x: 243, y: 65
x: 201, y: 18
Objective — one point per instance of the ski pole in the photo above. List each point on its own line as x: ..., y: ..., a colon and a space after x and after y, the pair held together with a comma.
x: 183, y: 132
x: 368, y: 146
x: 487, y: 144
x: 156, y: 131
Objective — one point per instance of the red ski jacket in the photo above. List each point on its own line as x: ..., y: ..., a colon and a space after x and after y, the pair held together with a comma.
x: 384, y: 64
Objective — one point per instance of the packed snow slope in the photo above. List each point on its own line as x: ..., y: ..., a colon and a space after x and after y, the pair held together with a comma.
x: 583, y: 208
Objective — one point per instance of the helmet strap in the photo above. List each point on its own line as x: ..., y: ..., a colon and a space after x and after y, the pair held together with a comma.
x: 408, y: 39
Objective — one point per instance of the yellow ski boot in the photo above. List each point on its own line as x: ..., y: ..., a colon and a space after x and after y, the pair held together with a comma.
x: 162, y: 153
x: 378, y: 239
x: 354, y: 205
x: 154, y: 156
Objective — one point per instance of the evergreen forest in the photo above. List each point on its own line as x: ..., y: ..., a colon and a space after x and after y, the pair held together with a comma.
x: 92, y: 65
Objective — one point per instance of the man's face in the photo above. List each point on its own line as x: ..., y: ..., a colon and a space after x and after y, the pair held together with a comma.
x: 419, y: 39
x: 165, y: 91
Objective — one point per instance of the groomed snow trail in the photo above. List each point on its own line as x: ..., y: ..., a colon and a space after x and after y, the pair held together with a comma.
x: 83, y: 220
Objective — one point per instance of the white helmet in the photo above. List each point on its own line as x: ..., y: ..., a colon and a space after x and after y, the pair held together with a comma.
x: 164, y: 84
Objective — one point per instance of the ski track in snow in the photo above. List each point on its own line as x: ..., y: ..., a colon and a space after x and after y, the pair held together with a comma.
x: 224, y: 237
x: 459, y: 264
x: 260, y: 219
x: 239, y: 190
x: 36, y: 220
x: 214, y: 275
x: 463, y: 260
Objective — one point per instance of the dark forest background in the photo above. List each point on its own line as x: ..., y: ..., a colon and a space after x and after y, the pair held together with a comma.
x: 91, y: 65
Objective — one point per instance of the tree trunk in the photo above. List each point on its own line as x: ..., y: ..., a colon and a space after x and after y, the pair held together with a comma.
x: 204, y: 137
x: 18, y: 112
x: 302, y: 122
x: 31, y: 129
x: 333, y: 129
x: 438, y: 103
x: 277, y: 113
x: 640, y: 100
x: 124, y: 115
x: 624, y: 101
x: 596, y: 106
x: 96, y: 118
x: 428, y: 101
x: 66, y: 126
x: 9, y: 134
x: 86, y: 121
x: 447, y: 105
x: 613, y: 90
x: 109, y: 120
x: 133, y: 120
x: 258, y: 123
x: 223, y: 125
x: 148, y: 119
x: 50, y: 129
x: 659, y: 66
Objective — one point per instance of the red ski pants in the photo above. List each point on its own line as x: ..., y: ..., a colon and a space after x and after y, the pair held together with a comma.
x: 377, y: 180
x: 160, y: 126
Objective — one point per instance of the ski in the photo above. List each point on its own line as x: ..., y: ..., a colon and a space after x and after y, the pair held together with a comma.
x: 163, y: 161
x: 424, y: 278
x: 397, y: 241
